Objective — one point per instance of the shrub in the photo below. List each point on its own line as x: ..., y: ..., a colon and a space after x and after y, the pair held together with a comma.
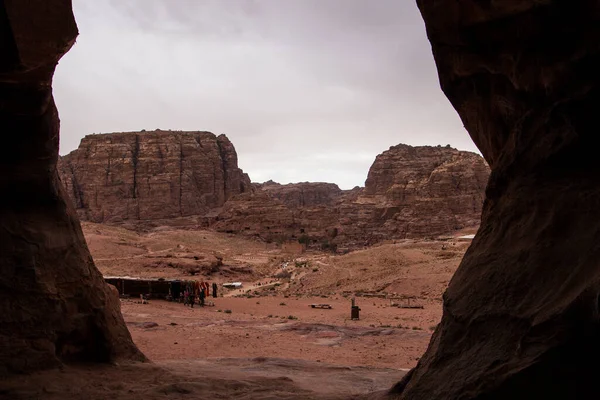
x: 292, y: 317
x: 301, y: 264
x: 227, y: 311
x: 282, y: 304
x: 304, y: 239
x: 326, y: 246
x: 283, y: 275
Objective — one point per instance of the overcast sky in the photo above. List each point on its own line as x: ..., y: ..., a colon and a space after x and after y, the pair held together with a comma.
x: 307, y: 90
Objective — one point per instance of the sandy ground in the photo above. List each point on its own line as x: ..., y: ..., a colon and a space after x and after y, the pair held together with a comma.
x: 419, y: 269
x: 270, y: 316
x: 385, y: 336
x: 263, y: 341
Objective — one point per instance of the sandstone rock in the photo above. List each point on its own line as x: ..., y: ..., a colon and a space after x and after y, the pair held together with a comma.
x: 279, y: 213
x: 143, y: 180
x: 413, y: 192
x: 256, y: 214
x: 305, y: 194
x: 204, y: 264
x: 410, y: 192
x: 521, y: 313
x: 54, y: 304
x: 151, y: 175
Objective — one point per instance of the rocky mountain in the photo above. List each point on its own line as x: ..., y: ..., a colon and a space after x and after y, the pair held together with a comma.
x: 151, y: 175
x: 304, y: 194
x: 416, y: 192
x: 192, y: 179
x: 410, y: 192
x: 281, y: 212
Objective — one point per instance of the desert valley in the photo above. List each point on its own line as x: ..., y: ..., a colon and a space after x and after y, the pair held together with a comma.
x: 333, y: 262
x: 174, y: 206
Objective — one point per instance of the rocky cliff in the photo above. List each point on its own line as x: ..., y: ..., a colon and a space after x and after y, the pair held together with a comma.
x: 417, y: 192
x: 304, y: 194
x: 521, y: 314
x: 192, y: 179
x: 410, y: 192
x: 282, y: 212
x: 54, y: 304
x: 151, y: 175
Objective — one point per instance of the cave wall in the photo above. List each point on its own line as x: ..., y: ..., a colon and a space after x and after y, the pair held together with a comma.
x: 54, y: 304
x: 521, y: 315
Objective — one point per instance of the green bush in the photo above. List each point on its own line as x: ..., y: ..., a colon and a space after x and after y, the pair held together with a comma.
x: 304, y: 239
x: 326, y: 246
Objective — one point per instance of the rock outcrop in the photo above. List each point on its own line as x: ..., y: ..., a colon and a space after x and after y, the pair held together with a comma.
x: 304, y: 194
x: 410, y: 192
x: 151, y: 175
x: 279, y: 213
x: 54, y: 304
x: 521, y: 314
x: 191, y: 179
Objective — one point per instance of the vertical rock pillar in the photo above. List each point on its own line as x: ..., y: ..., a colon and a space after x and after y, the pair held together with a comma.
x: 521, y: 315
x: 54, y: 304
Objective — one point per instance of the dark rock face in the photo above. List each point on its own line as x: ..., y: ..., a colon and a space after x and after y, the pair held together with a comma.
x: 151, y: 175
x: 54, y: 304
x: 521, y: 315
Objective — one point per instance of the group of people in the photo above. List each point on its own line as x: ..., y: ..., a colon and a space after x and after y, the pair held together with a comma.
x: 200, y: 290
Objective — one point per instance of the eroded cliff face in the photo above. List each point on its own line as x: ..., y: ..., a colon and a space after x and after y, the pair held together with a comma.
x: 54, y: 304
x: 151, y: 175
x: 303, y: 194
x: 191, y: 179
x: 521, y: 315
x: 410, y: 192
x: 416, y: 192
x: 276, y: 212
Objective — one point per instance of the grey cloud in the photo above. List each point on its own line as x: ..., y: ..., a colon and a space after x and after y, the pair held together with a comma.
x: 305, y: 89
